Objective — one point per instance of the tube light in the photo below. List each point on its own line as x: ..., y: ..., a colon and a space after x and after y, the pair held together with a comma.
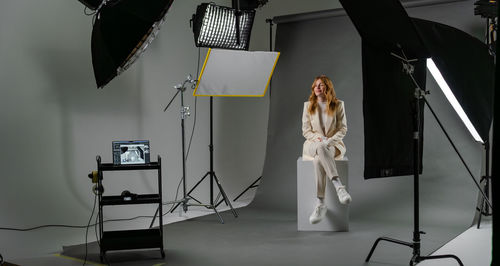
x: 451, y: 98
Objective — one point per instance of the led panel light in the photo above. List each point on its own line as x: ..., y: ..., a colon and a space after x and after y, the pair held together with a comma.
x: 222, y: 27
x: 452, y: 99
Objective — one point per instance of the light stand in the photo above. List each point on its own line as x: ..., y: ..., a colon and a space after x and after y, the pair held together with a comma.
x: 415, y: 245
x: 225, y: 73
x: 184, y: 113
x: 213, y: 178
x: 254, y: 184
x: 491, y: 29
x: 484, y: 197
x: 396, y: 31
x: 483, y: 209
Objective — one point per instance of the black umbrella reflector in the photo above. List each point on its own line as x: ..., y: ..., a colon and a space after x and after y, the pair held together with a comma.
x: 122, y: 31
x: 222, y: 27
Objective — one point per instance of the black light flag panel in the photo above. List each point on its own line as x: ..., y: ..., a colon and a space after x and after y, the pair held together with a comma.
x: 388, y: 110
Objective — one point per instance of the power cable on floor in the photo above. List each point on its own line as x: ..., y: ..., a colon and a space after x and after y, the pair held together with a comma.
x: 87, y: 229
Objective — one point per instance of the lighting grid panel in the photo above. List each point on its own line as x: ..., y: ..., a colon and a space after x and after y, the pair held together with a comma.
x: 217, y: 27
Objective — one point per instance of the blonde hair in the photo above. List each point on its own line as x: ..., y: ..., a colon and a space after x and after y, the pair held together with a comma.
x: 331, y: 98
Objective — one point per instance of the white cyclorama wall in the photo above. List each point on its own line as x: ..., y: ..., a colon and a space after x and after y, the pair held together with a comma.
x: 53, y: 120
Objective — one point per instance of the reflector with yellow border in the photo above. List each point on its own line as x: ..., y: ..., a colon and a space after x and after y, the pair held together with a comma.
x: 234, y: 73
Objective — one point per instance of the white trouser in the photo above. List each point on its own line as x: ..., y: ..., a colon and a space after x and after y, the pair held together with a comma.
x: 324, y: 165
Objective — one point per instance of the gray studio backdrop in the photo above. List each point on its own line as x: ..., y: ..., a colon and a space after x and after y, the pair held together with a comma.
x: 327, y: 43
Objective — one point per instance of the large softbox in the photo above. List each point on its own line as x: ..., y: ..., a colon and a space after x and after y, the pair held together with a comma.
x: 467, y: 67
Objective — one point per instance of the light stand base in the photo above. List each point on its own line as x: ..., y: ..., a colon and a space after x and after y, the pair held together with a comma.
x: 416, y: 251
x: 185, y: 206
x: 484, y: 209
x: 253, y: 185
x: 415, y: 245
x: 212, y: 206
x: 213, y: 178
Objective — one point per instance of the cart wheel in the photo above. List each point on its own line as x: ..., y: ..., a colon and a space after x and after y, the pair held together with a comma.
x: 162, y: 254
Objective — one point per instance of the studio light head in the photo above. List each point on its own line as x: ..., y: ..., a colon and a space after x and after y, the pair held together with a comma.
x: 486, y: 8
x: 222, y: 27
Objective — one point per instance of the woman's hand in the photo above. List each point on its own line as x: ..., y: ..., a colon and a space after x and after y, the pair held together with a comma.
x: 322, y: 138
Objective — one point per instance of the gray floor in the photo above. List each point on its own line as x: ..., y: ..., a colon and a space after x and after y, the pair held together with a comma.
x: 473, y: 247
x: 264, y: 237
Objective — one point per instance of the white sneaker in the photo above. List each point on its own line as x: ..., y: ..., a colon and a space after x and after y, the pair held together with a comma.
x: 318, y: 214
x: 344, y: 197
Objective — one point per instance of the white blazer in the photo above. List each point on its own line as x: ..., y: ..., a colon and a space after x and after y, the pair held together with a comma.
x: 335, y: 127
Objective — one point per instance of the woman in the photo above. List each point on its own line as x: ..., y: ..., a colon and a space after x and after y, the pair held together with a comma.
x: 324, y: 126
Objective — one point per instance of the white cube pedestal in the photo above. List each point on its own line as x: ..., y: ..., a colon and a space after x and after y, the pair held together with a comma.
x: 337, y: 215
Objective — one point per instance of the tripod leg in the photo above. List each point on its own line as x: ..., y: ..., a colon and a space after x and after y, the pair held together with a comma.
x: 176, y: 205
x: 216, y: 212
x: 191, y: 190
x: 154, y: 217
x: 201, y: 180
x: 249, y: 187
x: 225, y: 196
x: 435, y: 257
x: 483, y: 209
x: 389, y: 240
x: 480, y: 213
x: 219, y: 201
x: 193, y: 198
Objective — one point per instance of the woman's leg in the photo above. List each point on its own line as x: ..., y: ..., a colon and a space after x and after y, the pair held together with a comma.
x: 336, y: 182
x: 320, y: 208
x: 327, y: 160
x: 320, y: 178
x: 342, y: 193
